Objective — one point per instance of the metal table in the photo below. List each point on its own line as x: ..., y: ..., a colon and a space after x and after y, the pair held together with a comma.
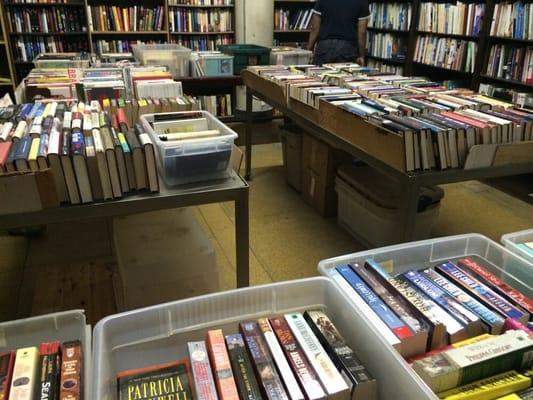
x: 411, y: 182
x: 232, y: 189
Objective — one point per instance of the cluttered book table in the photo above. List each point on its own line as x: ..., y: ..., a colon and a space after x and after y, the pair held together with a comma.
x: 321, y: 113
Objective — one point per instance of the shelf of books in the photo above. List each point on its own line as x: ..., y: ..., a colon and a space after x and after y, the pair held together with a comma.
x: 292, y: 22
x: 202, y: 24
x: 36, y: 27
x: 388, y: 35
x: 7, y: 78
x: 509, y: 54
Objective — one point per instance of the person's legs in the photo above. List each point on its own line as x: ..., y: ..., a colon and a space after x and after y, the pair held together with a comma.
x: 334, y: 50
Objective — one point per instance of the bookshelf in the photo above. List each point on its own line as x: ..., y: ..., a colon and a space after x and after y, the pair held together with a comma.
x: 7, y: 78
x: 292, y: 20
x: 32, y: 28
x: 201, y: 24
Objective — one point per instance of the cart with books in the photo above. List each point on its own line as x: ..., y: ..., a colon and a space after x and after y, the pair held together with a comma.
x: 520, y: 243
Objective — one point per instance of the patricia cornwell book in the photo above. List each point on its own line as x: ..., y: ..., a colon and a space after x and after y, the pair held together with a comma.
x: 170, y: 381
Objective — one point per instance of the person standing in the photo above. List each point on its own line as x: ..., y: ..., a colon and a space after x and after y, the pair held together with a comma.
x: 338, y: 31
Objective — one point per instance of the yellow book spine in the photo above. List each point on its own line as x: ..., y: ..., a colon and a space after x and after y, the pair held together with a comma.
x: 46, y: 110
x: 471, y: 340
x: 493, y: 387
x: 34, y: 149
x: 510, y: 397
x: 126, y: 19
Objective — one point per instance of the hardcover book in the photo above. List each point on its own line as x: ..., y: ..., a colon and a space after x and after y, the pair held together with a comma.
x: 265, y: 369
x: 25, y: 371
x: 305, y: 373
x: 330, y: 377
x: 204, y: 382
x: 363, y: 386
x: 242, y: 368
x: 7, y: 360
x: 172, y: 380
x: 50, y: 363
x: 71, y: 387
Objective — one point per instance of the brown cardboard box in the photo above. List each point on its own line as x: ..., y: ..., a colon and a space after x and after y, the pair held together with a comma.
x: 27, y: 192
x: 319, y: 163
x: 292, y: 158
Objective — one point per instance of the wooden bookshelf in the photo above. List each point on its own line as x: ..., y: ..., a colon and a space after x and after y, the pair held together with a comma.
x: 7, y: 69
x: 292, y: 36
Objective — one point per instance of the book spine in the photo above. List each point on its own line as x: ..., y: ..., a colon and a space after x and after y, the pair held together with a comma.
x: 482, y: 292
x: 384, y: 312
x: 331, y: 379
x: 340, y: 353
x: 24, y: 380
x: 242, y: 368
x: 201, y: 369
x: 299, y: 363
x: 291, y: 385
x: 440, y: 297
x: 493, y: 320
x: 265, y: 368
x: 71, y: 387
x: 7, y: 361
x: 218, y: 354
x: 50, y: 369
x: 496, y: 283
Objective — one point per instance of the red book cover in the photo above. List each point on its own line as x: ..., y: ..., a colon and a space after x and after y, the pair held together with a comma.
x: 121, y: 117
x: 220, y: 362
x: 5, y: 148
x: 465, y: 120
x: 7, y: 360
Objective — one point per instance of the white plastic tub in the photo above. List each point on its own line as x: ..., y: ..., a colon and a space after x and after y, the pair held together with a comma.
x: 63, y: 326
x: 427, y: 253
x: 510, y: 241
x: 176, y: 57
x: 160, y: 334
x: 193, y: 160
x: 290, y: 56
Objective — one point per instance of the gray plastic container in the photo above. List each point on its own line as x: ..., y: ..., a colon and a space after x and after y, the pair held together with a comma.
x: 510, y: 241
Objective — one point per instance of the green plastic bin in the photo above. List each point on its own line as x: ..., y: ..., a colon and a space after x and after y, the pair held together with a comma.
x: 246, y: 54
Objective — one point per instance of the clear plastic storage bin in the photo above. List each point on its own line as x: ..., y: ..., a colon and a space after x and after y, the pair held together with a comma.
x: 62, y: 326
x: 511, y: 240
x: 290, y: 56
x: 160, y: 334
x: 192, y: 160
x: 174, y: 56
x: 62, y: 60
x: 427, y: 253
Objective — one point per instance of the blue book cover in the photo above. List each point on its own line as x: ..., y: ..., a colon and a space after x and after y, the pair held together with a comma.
x: 24, y: 148
x: 379, y: 307
x: 483, y: 293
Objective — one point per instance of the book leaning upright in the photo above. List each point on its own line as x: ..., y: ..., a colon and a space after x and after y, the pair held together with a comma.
x: 328, y: 374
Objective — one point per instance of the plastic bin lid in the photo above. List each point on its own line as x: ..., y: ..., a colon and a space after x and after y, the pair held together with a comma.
x: 382, y: 190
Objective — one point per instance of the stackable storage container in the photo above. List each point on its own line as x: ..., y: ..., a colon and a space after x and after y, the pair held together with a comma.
x: 246, y: 55
x: 211, y: 63
x: 511, y: 241
x: 62, y: 326
x: 174, y: 56
x: 290, y: 56
x: 159, y: 334
x: 417, y: 255
x: 192, y: 160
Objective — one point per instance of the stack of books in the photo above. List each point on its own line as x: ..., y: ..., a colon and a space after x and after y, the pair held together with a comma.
x: 293, y: 356
x: 52, y: 371
x: 462, y: 329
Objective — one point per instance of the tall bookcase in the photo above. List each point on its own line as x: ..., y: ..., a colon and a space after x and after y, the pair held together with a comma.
x: 286, y: 14
x: 7, y: 77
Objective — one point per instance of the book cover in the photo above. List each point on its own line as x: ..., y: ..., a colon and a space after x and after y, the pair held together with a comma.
x: 511, y: 351
x: 331, y: 379
x: 172, y: 380
x: 363, y: 385
x: 497, y: 284
x: 71, y: 387
x: 25, y: 370
x: 218, y: 354
x: 493, y: 320
x: 204, y: 383
x: 489, y: 388
x: 242, y: 368
x: 481, y: 291
x: 303, y: 370
x: 291, y: 385
x: 265, y: 369
x: 50, y: 364
x: 7, y: 361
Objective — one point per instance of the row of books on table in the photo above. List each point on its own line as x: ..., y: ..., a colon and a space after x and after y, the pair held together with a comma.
x: 51, y: 371
x: 440, y: 126
x: 293, y: 356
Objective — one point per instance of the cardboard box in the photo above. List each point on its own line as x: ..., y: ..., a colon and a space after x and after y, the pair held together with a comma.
x: 292, y: 158
x: 319, y: 163
x: 26, y: 192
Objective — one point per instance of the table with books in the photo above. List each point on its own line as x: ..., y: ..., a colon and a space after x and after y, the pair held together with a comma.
x: 321, y: 101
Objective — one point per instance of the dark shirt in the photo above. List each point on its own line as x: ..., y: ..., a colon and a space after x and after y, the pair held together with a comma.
x: 339, y: 18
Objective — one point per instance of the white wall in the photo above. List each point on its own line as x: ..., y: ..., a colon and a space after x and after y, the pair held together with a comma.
x: 255, y: 22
